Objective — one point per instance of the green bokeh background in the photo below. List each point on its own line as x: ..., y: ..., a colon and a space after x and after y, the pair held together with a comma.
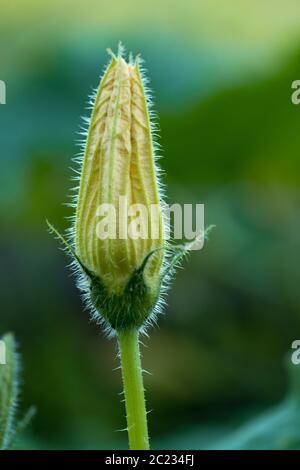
x: 221, y: 73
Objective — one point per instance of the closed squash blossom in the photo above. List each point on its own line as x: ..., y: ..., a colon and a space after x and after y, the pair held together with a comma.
x: 118, y: 237
x: 124, y: 271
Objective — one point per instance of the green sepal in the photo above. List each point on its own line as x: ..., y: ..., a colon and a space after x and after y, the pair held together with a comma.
x: 132, y: 307
x: 179, y: 252
x: 127, y: 310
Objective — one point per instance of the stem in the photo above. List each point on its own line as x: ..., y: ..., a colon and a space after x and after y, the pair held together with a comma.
x: 133, y: 389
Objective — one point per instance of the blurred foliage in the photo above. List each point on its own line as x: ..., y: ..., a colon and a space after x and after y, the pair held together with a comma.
x: 229, y: 136
x: 277, y: 428
x: 10, y: 426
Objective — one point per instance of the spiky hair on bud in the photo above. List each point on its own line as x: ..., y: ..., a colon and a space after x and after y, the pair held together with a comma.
x: 124, y: 281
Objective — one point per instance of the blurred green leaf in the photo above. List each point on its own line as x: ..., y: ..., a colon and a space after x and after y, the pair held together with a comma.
x: 9, y: 390
x: 9, y: 395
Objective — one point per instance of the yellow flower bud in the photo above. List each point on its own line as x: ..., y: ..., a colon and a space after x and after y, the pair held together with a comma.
x: 119, y: 191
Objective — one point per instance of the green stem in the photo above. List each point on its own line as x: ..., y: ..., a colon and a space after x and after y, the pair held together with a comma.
x: 133, y: 390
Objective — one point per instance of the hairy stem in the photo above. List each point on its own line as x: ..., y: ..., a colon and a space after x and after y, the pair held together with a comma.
x: 133, y: 389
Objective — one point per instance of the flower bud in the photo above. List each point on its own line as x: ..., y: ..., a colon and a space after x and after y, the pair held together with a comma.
x: 119, y: 230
